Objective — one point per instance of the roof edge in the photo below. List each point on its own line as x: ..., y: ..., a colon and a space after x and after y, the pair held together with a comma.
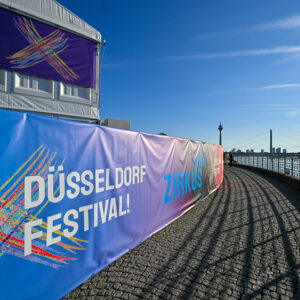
x: 53, y: 13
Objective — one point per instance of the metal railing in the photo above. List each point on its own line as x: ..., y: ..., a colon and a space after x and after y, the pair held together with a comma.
x: 283, y: 163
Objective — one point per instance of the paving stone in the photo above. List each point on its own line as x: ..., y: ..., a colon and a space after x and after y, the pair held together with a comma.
x: 241, y: 242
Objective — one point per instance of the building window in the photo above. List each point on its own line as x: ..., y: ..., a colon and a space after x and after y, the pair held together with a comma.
x: 33, y: 86
x: 73, y: 93
x: 3, y: 80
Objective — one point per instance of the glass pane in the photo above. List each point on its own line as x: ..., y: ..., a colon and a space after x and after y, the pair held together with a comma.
x: 31, y: 83
x: 67, y: 90
x: 44, y: 85
x: 82, y: 92
x: 2, y: 77
x: 23, y: 81
x: 75, y: 91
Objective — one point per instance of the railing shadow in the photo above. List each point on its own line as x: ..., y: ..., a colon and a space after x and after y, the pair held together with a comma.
x: 194, y: 277
x: 212, y: 208
x: 290, y: 258
x: 257, y: 195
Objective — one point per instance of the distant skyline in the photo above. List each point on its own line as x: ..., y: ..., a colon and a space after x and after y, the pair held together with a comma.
x: 182, y: 67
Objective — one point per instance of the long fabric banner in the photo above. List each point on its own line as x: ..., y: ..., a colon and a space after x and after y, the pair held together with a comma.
x: 31, y: 47
x: 74, y: 197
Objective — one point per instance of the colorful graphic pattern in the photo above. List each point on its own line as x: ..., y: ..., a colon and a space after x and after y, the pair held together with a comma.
x: 41, y: 49
x: 35, y: 48
x: 13, y: 216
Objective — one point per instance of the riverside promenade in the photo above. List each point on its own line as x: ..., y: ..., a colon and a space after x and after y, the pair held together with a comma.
x: 242, y: 242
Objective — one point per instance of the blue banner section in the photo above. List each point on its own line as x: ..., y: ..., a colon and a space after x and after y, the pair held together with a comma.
x: 74, y: 197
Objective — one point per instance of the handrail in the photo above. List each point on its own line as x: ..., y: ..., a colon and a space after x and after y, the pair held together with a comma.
x: 282, y: 163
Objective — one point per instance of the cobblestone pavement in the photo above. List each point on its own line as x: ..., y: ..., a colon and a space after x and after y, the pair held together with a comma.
x: 242, y: 242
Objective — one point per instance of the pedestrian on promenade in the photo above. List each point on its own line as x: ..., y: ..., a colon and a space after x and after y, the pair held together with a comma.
x: 226, y: 158
x: 230, y: 159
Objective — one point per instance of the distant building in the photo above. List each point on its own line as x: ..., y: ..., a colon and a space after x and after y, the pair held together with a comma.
x: 273, y: 150
x: 252, y: 150
x: 247, y: 151
x: 239, y: 151
x: 278, y: 150
x: 262, y: 151
x: 284, y: 151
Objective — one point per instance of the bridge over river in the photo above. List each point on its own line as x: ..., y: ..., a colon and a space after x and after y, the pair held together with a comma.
x: 242, y: 242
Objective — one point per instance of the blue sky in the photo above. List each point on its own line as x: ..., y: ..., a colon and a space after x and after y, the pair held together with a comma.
x: 181, y: 67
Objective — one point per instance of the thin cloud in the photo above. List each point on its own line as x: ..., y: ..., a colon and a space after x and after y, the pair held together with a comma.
x: 116, y: 65
x: 280, y: 105
x: 232, y: 91
x: 260, y: 88
x: 222, y: 33
x: 290, y: 58
x: 280, y: 86
x: 122, y: 64
x: 285, y: 23
x: 254, y: 52
x: 292, y: 113
x: 289, y: 110
x: 290, y: 22
x: 281, y: 110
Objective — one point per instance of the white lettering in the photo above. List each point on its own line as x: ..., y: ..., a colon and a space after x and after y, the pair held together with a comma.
x: 99, y: 180
x: 143, y: 172
x: 85, y: 210
x: 108, y: 187
x: 87, y: 183
x: 28, y: 203
x: 29, y: 236
x: 119, y: 172
x: 68, y: 222
x: 113, y: 213
x: 103, y: 212
x: 73, y: 185
x: 51, y: 228
x: 121, y: 211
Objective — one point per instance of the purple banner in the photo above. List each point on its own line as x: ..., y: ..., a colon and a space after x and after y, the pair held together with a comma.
x: 31, y: 47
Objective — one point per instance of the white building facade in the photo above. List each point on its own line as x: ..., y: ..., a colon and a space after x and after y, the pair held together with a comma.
x: 19, y: 91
